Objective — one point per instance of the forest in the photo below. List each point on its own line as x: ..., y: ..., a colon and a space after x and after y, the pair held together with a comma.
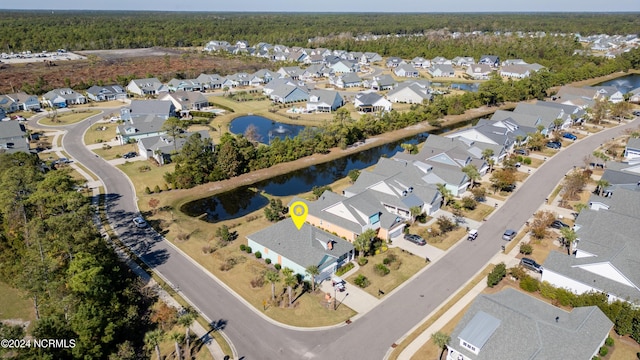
x: 89, y: 30
x: 51, y: 250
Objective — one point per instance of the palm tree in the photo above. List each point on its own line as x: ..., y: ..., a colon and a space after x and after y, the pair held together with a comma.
x: 487, y: 154
x: 601, y: 185
x: 290, y: 280
x: 186, y: 319
x: 313, y: 271
x: 447, y: 195
x: 441, y: 340
x: 273, y: 277
x: 557, y: 124
x: 570, y: 237
x: 153, y: 339
x: 363, y: 242
x: 174, y: 127
x: 177, y: 339
x: 472, y: 172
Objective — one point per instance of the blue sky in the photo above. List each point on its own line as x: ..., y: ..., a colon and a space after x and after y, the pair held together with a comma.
x: 336, y: 5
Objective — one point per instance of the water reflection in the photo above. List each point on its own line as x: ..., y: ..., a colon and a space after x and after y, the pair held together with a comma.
x: 267, y: 129
x: 624, y: 84
x: 229, y: 205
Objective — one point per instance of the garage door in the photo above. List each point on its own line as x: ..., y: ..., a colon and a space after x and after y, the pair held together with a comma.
x: 397, y: 232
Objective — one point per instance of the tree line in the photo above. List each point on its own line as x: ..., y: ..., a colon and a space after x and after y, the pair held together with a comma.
x: 91, y: 30
x: 50, y: 249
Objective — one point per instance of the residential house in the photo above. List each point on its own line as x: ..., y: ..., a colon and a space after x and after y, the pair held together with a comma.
x: 576, y: 113
x: 144, y: 87
x: 184, y: 85
x: 479, y: 71
x: 144, y: 118
x: 439, y: 60
x: 393, y: 62
x: 439, y: 168
x: 186, y: 100
x: 106, y: 93
x: 369, y: 58
x: 504, y: 134
x: 410, y: 93
x: 632, y: 150
x: 286, y: 93
x: 161, y: 147
x: 421, y: 63
x: 13, y: 137
x: 406, y: 70
x: 611, y: 93
x: 441, y: 70
x: 582, y: 97
x: 344, y: 66
x: 63, y: 97
x: 513, y: 325
x: 8, y: 105
x: 383, y: 82
x: 348, y: 80
x: 24, y: 101
x: 510, y: 62
x: 515, y: 71
x: 606, y: 255
x: 216, y: 45
x: 284, y: 244
x: 324, y: 101
x: 371, y: 102
x: 211, y: 81
x: 635, y: 96
x: 315, y: 71
x: 491, y: 60
x: 463, y: 61
x: 240, y: 79
x: 546, y: 116
x: 264, y: 75
x: 292, y: 72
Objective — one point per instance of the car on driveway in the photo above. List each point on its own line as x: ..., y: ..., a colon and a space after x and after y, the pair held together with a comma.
x: 554, y: 144
x: 557, y: 224
x: 531, y: 264
x: 521, y: 152
x: 139, y: 222
x: 569, y: 136
x: 416, y: 239
x: 130, y: 155
x: 508, y: 235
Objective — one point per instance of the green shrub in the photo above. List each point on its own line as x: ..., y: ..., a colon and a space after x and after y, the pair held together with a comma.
x: 527, y: 161
x: 517, y: 272
x: 386, y: 261
x: 526, y: 249
x: 547, y: 290
x: 361, y: 281
x: 381, y: 270
x: 243, y: 247
x: 147, y: 190
x: 609, y: 341
x: 258, y: 255
x: 603, y: 351
x: 157, y: 189
x: 248, y: 250
x: 564, y: 296
x: 267, y: 260
x: 362, y: 261
x: 496, y: 275
x: 527, y: 283
x: 277, y: 266
x: 343, y: 269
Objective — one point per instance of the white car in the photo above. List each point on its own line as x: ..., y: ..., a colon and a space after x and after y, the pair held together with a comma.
x: 139, y: 222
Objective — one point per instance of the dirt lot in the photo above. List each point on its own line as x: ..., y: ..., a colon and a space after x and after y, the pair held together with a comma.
x: 112, y: 66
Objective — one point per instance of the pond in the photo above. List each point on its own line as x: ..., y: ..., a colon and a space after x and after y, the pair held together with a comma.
x: 624, y: 84
x: 267, y: 129
x: 242, y: 201
x: 472, y: 87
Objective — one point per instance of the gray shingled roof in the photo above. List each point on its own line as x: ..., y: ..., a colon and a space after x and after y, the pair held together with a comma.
x: 304, y: 246
x: 528, y: 329
x: 151, y: 107
x: 522, y: 119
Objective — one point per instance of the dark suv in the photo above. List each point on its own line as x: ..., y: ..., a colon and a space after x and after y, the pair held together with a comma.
x: 531, y: 265
x: 557, y: 224
x: 554, y: 144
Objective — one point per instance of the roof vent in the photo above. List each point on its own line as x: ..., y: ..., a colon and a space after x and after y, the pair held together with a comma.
x: 410, y: 189
x: 404, y: 193
x: 557, y: 318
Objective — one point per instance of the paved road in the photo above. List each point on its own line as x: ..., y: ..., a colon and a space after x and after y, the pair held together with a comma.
x: 370, y: 336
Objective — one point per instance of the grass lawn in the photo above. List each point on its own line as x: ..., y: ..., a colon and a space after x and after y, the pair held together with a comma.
x: 409, y: 266
x: 168, y: 348
x: 67, y: 118
x: 443, y: 242
x: 100, y: 132
x: 14, y: 304
x: 480, y: 212
x: 114, y: 152
x: 142, y: 179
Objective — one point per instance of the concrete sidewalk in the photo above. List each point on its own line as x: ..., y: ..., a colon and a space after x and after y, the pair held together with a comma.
x: 353, y: 297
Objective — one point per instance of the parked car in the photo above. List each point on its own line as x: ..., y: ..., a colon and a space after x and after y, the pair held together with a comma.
x: 554, y: 144
x: 508, y: 235
x: 557, y: 224
x: 130, y: 155
x: 531, y: 264
x: 521, y: 152
x: 338, y: 283
x: 473, y: 234
x: 416, y: 239
x: 636, y: 112
x: 569, y: 136
x: 140, y: 222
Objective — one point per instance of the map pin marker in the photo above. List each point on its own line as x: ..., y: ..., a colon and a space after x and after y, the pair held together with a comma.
x: 298, y: 211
